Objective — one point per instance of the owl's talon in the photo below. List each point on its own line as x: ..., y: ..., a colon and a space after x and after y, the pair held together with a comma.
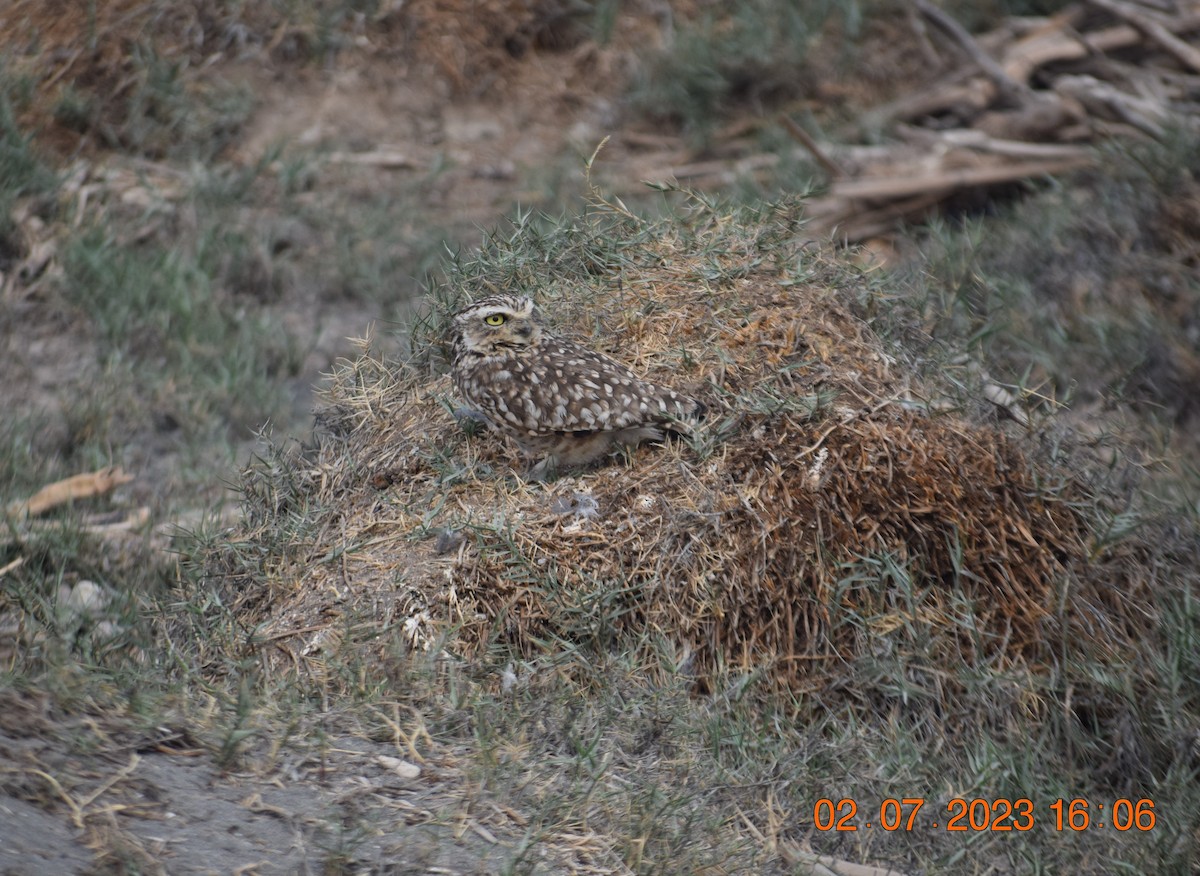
x: 464, y: 414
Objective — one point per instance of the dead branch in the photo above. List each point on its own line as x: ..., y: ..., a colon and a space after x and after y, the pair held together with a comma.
x: 1105, y: 100
x: 876, y: 188
x: 802, y: 137
x: 981, y: 141
x: 1153, y: 30
x: 387, y: 159
x: 1032, y: 113
x: 849, y: 223
x: 82, y: 486
x: 1009, y: 88
x: 1040, y: 48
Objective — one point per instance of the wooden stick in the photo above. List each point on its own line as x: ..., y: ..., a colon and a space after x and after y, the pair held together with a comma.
x: 903, y: 186
x: 1041, y: 48
x: 82, y: 486
x: 100, y: 524
x: 1182, y: 51
x: 1008, y: 87
x: 1167, y: 6
x: 980, y: 141
x: 387, y: 159
x: 1146, y: 115
x: 801, y: 136
x: 922, y: 34
x: 825, y: 865
x: 854, y: 225
x: 958, y: 90
x: 708, y: 168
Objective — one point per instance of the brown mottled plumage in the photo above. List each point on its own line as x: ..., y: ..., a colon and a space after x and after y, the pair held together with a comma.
x: 562, y: 402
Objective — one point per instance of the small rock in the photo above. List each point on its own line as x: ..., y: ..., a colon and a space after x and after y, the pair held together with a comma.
x: 580, y: 505
x: 85, y: 600
x: 403, y: 768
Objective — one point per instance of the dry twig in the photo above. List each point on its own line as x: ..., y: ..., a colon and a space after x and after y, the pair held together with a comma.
x: 1009, y: 88
x: 802, y: 137
x: 1182, y: 51
x: 82, y: 486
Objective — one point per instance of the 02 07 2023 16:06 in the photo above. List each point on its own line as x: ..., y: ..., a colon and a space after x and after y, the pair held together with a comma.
x: 1000, y: 814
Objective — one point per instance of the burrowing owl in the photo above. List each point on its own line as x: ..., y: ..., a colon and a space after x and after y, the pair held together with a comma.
x: 562, y: 402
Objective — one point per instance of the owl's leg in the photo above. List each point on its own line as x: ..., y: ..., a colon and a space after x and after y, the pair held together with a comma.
x: 544, y: 471
x: 464, y: 415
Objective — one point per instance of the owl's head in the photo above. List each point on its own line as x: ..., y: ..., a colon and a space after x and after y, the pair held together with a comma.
x: 497, y: 324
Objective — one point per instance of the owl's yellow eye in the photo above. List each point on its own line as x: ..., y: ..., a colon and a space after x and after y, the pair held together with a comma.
x: 494, y: 319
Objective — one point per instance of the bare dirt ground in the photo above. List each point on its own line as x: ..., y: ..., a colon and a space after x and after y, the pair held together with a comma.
x: 154, y: 804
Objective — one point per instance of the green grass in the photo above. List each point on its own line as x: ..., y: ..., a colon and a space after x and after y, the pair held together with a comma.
x: 186, y: 305
x: 175, y: 318
x: 384, y: 246
x: 23, y: 176
x: 749, y: 55
x: 165, y: 115
x: 1082, y: 292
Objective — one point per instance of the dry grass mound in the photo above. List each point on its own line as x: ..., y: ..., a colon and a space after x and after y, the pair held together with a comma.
x: 824, y: 520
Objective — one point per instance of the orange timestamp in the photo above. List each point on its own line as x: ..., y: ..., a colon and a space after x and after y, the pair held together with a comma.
x: 1001, y: 814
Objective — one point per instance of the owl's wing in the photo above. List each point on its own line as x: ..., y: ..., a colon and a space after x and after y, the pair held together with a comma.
x: 569, y: 389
